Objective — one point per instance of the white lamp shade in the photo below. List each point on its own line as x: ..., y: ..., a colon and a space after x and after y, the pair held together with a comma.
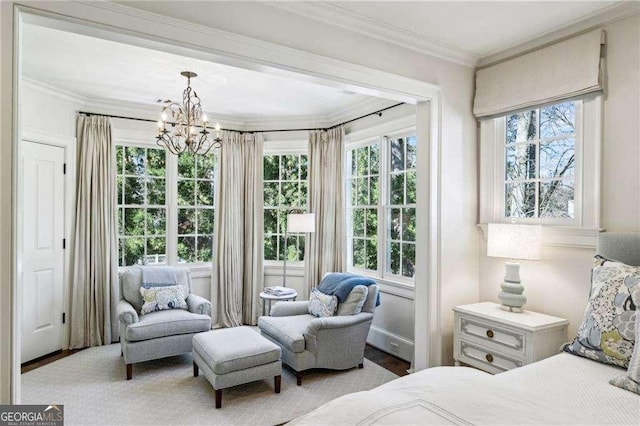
x: 301, y: 222
x: 514, y: 241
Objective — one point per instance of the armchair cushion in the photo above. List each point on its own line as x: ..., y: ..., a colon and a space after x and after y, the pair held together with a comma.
x: 167, y: 323
x: 126, y: 313
x: 198, y: 305
x: 288, y: 331
x: 131, y: 281
x: 322, y: 305
x: 353, y: 304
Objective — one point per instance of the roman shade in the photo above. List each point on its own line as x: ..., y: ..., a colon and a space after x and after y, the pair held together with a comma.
x: 563, y: 70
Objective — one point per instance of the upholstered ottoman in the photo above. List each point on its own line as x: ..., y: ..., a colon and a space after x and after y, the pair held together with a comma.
x: 233, y: 356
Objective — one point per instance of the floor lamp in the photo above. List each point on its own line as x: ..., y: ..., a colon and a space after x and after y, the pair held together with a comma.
x: 297, y: 223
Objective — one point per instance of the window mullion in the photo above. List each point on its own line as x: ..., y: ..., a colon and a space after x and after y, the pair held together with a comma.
x: 171, y: 208
x: 383, y: 196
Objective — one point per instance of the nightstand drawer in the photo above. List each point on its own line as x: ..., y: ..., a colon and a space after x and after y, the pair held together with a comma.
x: 486, y: 359
x: 486, y: 331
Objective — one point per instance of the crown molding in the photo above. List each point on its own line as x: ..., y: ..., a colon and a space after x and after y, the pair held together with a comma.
x: 241, y: 123
x: 51, y: 90
x: 597, y: 19
x: 338, y: 16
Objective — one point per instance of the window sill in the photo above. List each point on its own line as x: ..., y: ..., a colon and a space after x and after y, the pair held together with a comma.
x: 397, y: 288
x: 563, y: 236
x: 198, y: 270
x: 275, y: 268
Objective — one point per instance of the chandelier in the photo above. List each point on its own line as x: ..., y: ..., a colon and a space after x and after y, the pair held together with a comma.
x: 188, y: 124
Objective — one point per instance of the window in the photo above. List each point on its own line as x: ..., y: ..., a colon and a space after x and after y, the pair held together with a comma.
x: 196, y: 214
x: 157, y: 192
x: 540, y: 162
x: 142, y: 209
x: 381, y: 207
x: 285, y: 188
x: 544, y: 166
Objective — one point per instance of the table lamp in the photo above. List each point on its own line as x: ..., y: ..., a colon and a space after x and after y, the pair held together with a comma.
x: 296, y: 223
x: 513, y: 241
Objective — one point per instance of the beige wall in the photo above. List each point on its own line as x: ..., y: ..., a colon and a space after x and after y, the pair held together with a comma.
x: 559, y: 283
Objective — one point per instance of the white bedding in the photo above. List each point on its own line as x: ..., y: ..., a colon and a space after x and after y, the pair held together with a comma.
x: 563, y: 389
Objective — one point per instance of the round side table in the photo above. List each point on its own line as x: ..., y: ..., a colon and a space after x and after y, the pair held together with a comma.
x: 268, y: 299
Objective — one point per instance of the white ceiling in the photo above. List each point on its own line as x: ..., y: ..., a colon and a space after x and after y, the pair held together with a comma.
x: 99, y: 69
x: 464, y: 31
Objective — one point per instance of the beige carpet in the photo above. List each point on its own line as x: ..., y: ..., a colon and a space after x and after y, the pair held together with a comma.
x: 91, y: 384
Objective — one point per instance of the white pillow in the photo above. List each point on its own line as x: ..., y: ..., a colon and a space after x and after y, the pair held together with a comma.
x: 354, y: 302
x: 163, y: 298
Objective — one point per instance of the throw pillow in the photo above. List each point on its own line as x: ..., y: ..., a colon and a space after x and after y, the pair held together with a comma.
x: 162, y: 298
x: 631, y: 381
x: 322, y: 305
x: 354, y: 302
x: 607, y: 332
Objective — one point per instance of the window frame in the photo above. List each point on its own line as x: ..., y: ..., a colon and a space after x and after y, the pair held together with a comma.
x: 582, y: 229
x: 277, y: 149
x: 383, y: 206
x: 501, y: 147
x: 171, y: 198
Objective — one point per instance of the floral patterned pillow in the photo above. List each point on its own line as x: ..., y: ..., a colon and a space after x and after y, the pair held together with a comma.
x: 162, y: 298
x: 322, y: 305
x: 607, y: 332
x: 631, y: 381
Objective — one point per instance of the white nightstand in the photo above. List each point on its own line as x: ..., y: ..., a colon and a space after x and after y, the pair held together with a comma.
x: 493, y: 340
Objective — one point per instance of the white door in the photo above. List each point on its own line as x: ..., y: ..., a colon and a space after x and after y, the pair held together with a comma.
x: 41, y: 225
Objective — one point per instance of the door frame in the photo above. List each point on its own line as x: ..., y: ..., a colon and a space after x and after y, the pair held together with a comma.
x: 122, y: 23
x: 69, y: 145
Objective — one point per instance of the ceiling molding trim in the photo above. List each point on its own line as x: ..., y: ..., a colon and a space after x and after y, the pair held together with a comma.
x: 600, y: 18
x: 246, y: 123
x: 337, y: 16
x: 51, y: 90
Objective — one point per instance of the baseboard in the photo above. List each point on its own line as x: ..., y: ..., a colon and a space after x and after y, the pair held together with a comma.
x: 391, y: 343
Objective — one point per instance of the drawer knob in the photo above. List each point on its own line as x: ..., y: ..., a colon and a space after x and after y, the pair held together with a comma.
x: 490, y: 334
x: 489, y: 357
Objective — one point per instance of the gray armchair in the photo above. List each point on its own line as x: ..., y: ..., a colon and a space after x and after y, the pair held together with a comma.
x: 157, y: 334
x: 336, y: 342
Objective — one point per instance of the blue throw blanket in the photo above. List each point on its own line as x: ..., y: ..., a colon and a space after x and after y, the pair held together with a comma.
x: 340, y: 284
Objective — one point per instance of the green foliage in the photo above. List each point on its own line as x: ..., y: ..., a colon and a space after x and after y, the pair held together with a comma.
x: 285, y: 187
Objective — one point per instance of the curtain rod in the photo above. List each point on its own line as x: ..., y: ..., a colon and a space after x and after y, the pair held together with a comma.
x: 378, y: 113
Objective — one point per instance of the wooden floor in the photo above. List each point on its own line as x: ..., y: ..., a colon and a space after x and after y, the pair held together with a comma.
x: 383, y: 359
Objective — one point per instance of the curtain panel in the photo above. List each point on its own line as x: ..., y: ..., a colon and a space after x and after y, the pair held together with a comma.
x: 94, y: 258
x: 561, y: 71
x: 237, y: 277
x: 325, y: 248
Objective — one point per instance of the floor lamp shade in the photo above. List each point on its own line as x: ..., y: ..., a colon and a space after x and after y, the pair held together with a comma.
x: 513, y: 241
x: 304, y: 222
x: 296, y: 223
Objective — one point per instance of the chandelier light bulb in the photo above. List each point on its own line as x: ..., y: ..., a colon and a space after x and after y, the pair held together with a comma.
x: 204, y: 118
x: 164, y: 116
x: 217, y: 127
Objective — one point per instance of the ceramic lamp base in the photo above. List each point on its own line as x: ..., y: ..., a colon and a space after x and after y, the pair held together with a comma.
x: 512, y: 296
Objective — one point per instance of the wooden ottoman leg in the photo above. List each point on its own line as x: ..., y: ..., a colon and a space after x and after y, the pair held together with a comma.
x: 195, y: 369
x: 277, y: 381
x: 218, y: 398
x: 129, y: 371
x: 360, y: 365
x: 299, y: 378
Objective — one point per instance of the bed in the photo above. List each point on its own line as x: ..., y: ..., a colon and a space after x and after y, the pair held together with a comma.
x: 562, y: 389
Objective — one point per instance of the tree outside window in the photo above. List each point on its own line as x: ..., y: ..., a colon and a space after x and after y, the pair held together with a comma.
x: 142, y: 209
x: 381, y: 228
x: 285, y: 188
x: 540, y: 162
